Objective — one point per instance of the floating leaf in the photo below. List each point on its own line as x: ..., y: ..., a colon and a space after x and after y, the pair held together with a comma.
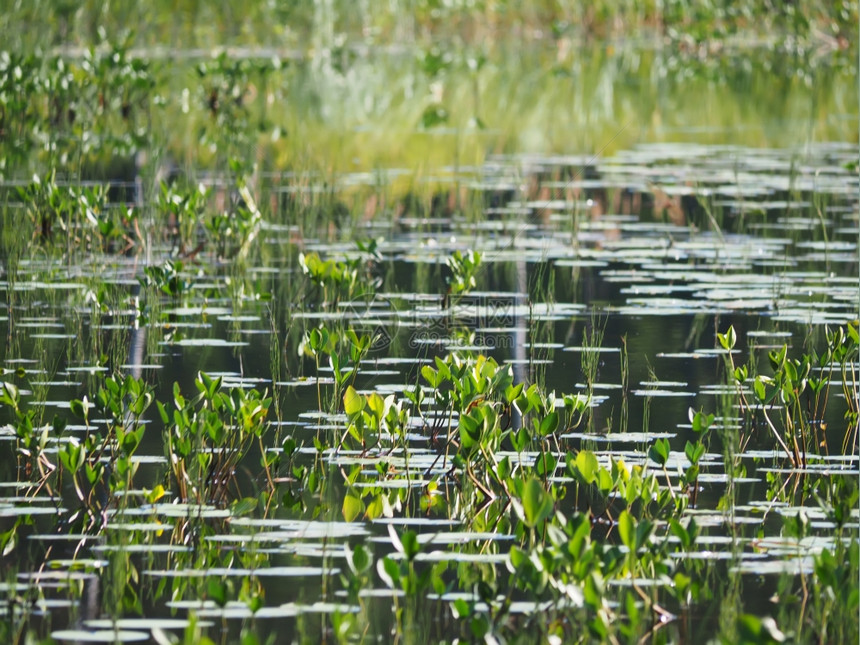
x: 100, y: 636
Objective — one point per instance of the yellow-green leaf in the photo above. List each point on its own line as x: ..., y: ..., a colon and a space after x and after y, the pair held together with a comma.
x: 353, y: 402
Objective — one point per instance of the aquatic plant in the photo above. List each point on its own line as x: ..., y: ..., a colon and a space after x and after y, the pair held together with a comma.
x: 344, y: 280
x: 208, y: 435
x: 33, y: 463
x: 77, y: 218
x: 181, y: 212
x: 232, y: 233
x: 99, y: 466
x: 168, y: 278
x: 694, y: 451
x: 106, y: 455
x: 797, y: 396
x: 254, y: 170
x: 463, y: 268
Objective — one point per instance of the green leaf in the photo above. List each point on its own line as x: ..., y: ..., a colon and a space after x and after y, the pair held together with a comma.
x: 777, y: 357
x: 444, y: 369
x: 470, y: 432
x: 545, y: 464
x: 243, y: 506
x: 217, y: 591
x: 534, y: 397
x: 479, y: 626
x: 728, y: 339
x: 627, y: 530
x: 376, y: 404
x: 586, y: 466
x: 463, y: 609
x: 165, y: 418
x: 759, y: 387
x: 353, y: 402
x: 9, y: 540
x: 520, y: 439
x: 594, y: 598
x: 517, y: 557
x: 701, y: 421
x: 753, y: 629
x: 78, y: 408
x: 677, y: 529
x: 682, y: 582
x: 659, y: 452
x: 289, y: 447
x: 10, y: 395
x: 791, y: 372
x: 537, y: 503
x: 512, y: 392
x: 521, y: 403
x: 376, y: 507
x: 411, y: 547
x: 643, y: 531
x: 694, y: 452
x: 93, y: 473
x: 130, y: 442
x: 604, y: 481
x: 388, y: 571
x: 503, y: 468
x: 352, y: 507
x: 430, y: 375
x: 360, y: 559
x: 549, y: 423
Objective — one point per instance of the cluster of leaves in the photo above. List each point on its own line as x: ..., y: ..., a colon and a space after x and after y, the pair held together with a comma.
x: 626, y: 526
x: 191, y: 223
x: 792, y: 401
x: 77, y: 217
x: 344, y: 280
x: 207, y: 436
x: 473, y: 402
x: 97, y: 466
x: 464, y: 268
x: 102, y: 101
x: 226, y: 91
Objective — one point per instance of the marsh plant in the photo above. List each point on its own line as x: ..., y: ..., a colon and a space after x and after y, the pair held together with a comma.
x: 197, y: 212
x: 792, y: 401
x: 78, y: 218
x: 464, y: 268
x: 353, y: 278
x: 561, y: 560
x: 98, y: 467
x: 208, y: 435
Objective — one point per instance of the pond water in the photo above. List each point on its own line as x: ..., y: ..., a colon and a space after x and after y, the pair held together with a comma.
x: 680, y: 463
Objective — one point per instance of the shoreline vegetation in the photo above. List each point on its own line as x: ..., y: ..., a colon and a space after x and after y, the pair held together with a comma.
x: 420, y: 87
x: 800, y: 25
